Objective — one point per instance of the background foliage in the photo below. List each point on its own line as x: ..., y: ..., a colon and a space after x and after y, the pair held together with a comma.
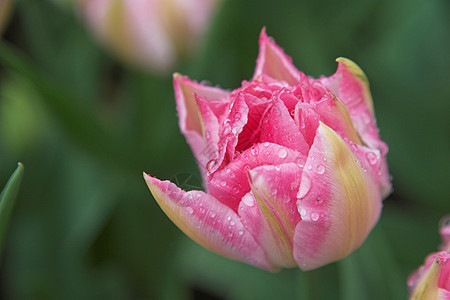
x: 85, y: 127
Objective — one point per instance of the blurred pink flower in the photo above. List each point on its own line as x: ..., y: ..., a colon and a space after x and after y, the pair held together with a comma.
x: 151, y: 34
x: 432, y: 280
x: 5, y: 11
x: 293, y: 167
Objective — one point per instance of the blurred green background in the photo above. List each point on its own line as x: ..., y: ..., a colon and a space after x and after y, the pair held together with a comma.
x: 86, y: 126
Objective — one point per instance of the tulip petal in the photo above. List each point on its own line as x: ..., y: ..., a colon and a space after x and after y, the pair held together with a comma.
x: 230, y: 184
x: 189, y: 114
x: 339, y: 202
x: 187, y: 108
x: 432, y: 281
x: 351, y: 86
x: 272, y: 221
x: 307, y: 121
x: 208, y: 222
x: 279, y: 127
x: 272, y: 61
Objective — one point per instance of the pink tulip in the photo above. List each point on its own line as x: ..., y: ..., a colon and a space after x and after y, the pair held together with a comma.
x: 432, y: 280
x: 293, y: 167
x: 149, y: 33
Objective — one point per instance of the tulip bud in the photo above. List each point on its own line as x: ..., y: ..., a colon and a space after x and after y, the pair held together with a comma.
x: 293, y: 167
x: 5, y: 11
x: 152, y: 34
x: 432, y: 280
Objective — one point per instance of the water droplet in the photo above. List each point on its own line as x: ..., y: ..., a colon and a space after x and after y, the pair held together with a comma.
x: 210, y: 164
x: 246, y: 167
x: 230, y: 234
x: 189, y: 209
x: 223, y: 183
x: 309, y: 167
x: 254, y: 150
x: 229, y: 218
x: 232, y: 223
x: 241, y: 232
x: 315, y: 216
x: 266, y: 144
x: 282, y: 153
x: 207, y: 135
x: 319, y: 199
x: 236, y: 190
x: 305, y: 186
x: 228, y: 170
x: 199, y: 196
x: 202, y: 210
x: 302, y: 212
x: 226, y: 129
x: 213, y: 214
x: 372, y: 158
x: 248, y: 200
x: 237, y: 117
x: 320, y: 169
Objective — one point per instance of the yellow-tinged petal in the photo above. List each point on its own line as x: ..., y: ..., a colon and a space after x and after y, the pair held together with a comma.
x: 339, y: 202
x: 359, y: 74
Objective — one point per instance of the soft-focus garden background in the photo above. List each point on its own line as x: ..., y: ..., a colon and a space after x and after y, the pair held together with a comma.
x: 85, y: 125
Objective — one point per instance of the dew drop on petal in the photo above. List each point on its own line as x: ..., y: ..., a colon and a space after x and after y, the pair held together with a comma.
x: 305, y: 186
x: 232, y: 223
x: 319, y: 199
x: 315, y: 216
x: 229, y: 218
x: 237, y: 117
x: 210, y: 164
x: 282, y: 153
x: 207, y: 135
x: 309, y: 167
x: 241, y: 232
x: 248, y: 200
x: 372, y: 158
x: 266, y: 144
x: 302, y: 212
x: 254, y: 151
x: 223, y: 183
x: 228, y: 170
x: 226, y: 129
x: 230, y: 234
x: 213, y: 214
x: 320, y: 169
x: 189, y: 209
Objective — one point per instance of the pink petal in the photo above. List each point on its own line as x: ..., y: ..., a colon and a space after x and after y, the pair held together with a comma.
x: 230, y: 184
x: 269, y: 210
x: 189, y: 116
x: 272, y: 61
x: 208, y: 222
x: 351, y: 86
x: 279, y: 127
x: 335, y: 115
x: 307, y: 121
x: 339, y: 202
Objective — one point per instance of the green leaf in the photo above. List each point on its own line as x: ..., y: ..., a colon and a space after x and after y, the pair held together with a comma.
x: 7, y: 199
x: 80, y: 124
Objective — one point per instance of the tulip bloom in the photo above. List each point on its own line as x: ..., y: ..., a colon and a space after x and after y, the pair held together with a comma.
x: 293, y: 167
x: 149, y: 33
x: 432, y: 280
